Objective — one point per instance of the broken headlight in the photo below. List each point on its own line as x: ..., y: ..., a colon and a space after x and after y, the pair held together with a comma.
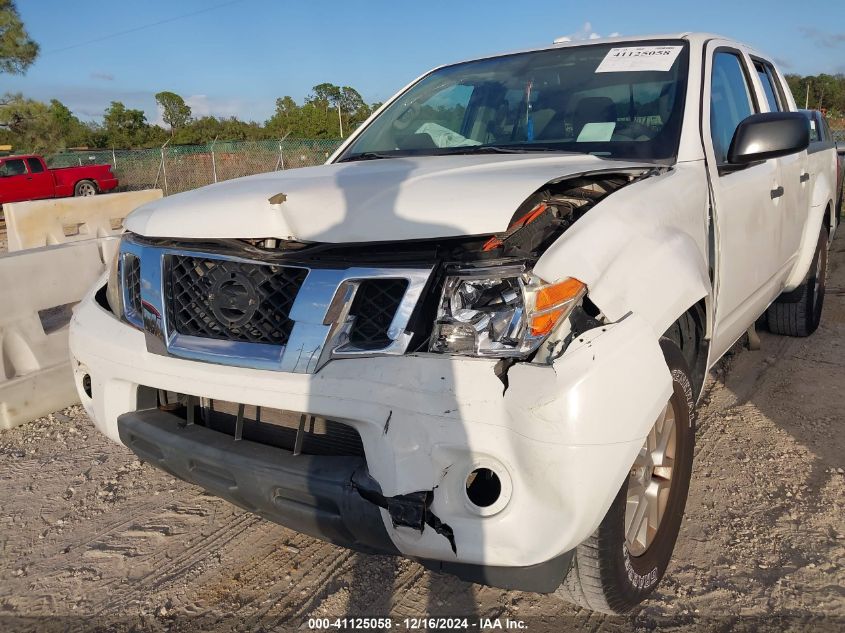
x: 500, y: 312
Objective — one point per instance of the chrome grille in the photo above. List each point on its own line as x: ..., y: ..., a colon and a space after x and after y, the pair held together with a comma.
x: 374, y: 307
x: 231, y: 300
x: 275, y: 316
x: 132, y: 285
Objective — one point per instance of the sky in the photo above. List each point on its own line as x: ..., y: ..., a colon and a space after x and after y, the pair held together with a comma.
x: 235, y: 57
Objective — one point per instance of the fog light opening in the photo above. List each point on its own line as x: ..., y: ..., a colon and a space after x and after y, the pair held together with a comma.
x: 86, y: 385
x: 483, y: 487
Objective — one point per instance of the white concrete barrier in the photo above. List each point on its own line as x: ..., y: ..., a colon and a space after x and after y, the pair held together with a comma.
x: 61, y: 220
x: 38, y: 289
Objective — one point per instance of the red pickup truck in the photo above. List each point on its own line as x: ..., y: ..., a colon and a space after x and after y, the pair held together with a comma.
x: 29, y: 178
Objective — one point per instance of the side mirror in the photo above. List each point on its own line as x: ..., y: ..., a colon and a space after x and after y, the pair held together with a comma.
x: 769, y: 135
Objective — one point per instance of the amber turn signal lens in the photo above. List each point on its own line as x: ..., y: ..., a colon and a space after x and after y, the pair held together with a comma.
x: 552, y: 302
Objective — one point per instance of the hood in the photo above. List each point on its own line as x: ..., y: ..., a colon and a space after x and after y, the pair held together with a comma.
x: 374, y: 200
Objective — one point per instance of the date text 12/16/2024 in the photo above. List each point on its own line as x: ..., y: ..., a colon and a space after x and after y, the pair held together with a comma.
x: 413, y: 624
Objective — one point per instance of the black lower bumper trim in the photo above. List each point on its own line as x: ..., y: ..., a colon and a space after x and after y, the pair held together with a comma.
x: 310, y: 494
x: 327, y: 497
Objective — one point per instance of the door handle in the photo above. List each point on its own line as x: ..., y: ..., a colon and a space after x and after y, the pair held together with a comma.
x: 805, y: 177
x: 777, y: 193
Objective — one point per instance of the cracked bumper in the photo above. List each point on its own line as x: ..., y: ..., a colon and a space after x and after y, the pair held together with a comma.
x: 561, y: 438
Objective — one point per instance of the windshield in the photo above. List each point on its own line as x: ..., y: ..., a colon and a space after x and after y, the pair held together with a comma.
x: 621, y: 100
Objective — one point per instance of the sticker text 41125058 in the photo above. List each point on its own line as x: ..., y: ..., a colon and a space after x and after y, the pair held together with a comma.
x: 639, y: 58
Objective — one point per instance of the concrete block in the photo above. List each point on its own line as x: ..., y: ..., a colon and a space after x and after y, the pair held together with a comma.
x: 39, y: 289
x: 63, y: 220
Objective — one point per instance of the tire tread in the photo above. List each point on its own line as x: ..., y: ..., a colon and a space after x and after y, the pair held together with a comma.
x: 797, y: 317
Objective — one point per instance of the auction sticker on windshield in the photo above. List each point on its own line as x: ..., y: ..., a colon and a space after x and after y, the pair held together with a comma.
x: 638, y: 58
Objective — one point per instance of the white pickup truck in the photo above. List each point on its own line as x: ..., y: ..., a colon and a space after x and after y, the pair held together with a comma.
x: 476, y: 336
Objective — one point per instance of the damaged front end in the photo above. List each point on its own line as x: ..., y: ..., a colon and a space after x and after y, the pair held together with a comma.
x: 372, y: 329
x: 482, y: 298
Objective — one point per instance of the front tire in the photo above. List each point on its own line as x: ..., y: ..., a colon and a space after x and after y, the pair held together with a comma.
x: 799, y: 312
x: 85, y: 188
x: 622, y: 562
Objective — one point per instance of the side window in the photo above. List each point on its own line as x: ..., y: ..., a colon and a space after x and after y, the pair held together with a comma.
x: 815, y: 129
x: 767, y: 80
x: 730, y: 101
x: 827, y: 135
x: 13, y: 168
x: 35, y: 166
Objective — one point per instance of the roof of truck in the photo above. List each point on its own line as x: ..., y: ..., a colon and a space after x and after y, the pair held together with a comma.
x: 695, y: 38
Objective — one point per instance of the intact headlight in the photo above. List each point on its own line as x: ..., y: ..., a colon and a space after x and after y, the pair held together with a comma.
x: 500, y: 312
x: 114, y: 292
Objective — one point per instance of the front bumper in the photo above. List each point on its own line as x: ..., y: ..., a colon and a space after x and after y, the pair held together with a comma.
x: 560, y: 437
x: 324, y: 497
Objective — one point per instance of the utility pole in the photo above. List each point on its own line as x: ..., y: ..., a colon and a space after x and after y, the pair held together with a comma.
x: 807, y: 98
x: 340, y: 120
x: 214, y: 159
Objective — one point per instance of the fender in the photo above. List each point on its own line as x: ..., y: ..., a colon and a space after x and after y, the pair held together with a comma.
x: 815, y: 219
x: 642, y: 249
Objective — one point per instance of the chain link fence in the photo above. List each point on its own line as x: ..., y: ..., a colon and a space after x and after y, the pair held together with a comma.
x: 183, y: 167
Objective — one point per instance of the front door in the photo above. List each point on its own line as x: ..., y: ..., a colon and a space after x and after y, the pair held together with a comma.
x: 15, y: 181
x: 747, y: 203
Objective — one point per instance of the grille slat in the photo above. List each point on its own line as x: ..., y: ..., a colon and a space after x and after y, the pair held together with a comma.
x: 275, y: 427
x: 374, y: 307
x: 132, y: 281
x: 230, y: 300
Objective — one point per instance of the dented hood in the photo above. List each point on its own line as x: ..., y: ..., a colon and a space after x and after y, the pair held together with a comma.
x: 375, y: 200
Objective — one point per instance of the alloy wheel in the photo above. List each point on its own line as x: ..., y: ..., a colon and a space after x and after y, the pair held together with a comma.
x: 650, y: 482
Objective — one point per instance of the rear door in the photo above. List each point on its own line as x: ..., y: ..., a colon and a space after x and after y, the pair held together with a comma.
x: 794, y: 168
x: 41, y: 180
x: 747, y: 201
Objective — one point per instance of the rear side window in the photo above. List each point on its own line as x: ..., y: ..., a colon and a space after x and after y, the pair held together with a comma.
x: 826, y: 134
x: 815, y: 129
x: 766, y: 75
x: 13, y: 167
x: 730, y: 101
x: 35, y: 166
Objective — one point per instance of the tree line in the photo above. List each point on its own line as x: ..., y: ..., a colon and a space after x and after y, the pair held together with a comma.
x: 820, y: 92
x: 329, y: 112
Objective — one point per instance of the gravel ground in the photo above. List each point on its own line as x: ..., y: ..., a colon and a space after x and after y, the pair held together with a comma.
x: 90, y: 538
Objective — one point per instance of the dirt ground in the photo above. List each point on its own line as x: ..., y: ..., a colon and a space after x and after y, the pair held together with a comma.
x: 90, y: 538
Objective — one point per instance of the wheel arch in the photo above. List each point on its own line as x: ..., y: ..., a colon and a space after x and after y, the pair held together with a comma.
x: 91, y: 180
x: 690, y: 332
x: 819, y: 216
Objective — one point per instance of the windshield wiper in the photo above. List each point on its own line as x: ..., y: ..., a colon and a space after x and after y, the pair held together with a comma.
x: 455, y: 151
x: 504, y: 149
x: 365, y: 156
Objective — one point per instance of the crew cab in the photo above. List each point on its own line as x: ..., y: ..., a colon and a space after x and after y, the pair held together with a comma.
x: 27, y: 177
x: 476, y: 336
